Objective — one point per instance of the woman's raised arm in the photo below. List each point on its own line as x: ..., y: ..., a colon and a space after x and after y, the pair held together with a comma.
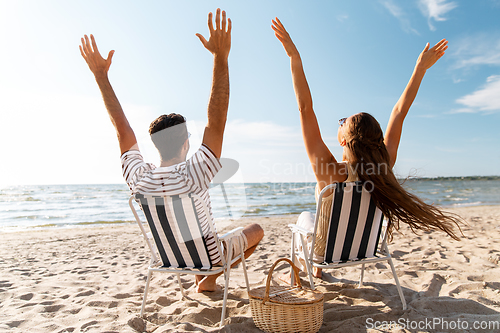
x: 324, y: 164
x: 426, y: 59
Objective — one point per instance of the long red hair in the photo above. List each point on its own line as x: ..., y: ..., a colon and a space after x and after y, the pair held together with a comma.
x: 368, y: 156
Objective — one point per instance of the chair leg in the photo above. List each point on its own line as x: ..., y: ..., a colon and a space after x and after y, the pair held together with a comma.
x: 145, y: 292
x: 307, y: 260
x: 227, y: 272
x: 362, y: 275
x: 293, y: 257
x: 243, y: 264
x: 400, y: 291
x: 224, y: 302
x: 180, y: 285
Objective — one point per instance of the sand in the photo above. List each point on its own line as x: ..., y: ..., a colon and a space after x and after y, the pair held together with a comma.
x: 92, y: 280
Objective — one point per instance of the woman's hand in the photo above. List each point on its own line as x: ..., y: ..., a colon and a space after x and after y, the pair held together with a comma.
x: 429, y: 57
x: 325, y: 166
x: 425, y: 60
x: 283, y: 36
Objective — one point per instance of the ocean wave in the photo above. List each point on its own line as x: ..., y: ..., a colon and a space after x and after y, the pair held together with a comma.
x: 36, y: 217
x: 20, y: 198
x: 468, y: 204
x: 48, y: 225
x: 291, y: 205
x: 27, y: 217
x: 105, y: 222
x: 17, y: 228
x: 255, y: 211
x: 57, y: 206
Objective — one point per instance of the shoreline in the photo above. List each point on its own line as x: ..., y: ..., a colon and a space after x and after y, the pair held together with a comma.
x: 222, y: 221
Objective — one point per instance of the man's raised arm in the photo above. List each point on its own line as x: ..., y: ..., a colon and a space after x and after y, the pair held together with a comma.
x: 99, y: 67
x: 219, y: 45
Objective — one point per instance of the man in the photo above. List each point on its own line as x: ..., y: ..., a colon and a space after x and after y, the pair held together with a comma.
x: 176, y: 175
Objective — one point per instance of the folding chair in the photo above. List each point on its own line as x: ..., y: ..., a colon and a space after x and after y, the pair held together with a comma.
x: 356, y: 226
x: 176, y: 240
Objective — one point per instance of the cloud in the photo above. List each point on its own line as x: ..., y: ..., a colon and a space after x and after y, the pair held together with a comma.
x: 342, y: 17
x: 69, y: 139
x: 262, y: 133
x: 398, y: 13
x: 435, y: 9
x: 478, y: 49
x: 449, y: 150
x: 486, y: 99
x: 266, y: 151
x: 427, y: 116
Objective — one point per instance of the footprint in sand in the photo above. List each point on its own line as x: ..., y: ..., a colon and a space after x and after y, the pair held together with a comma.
x: 494, y: 258
x: 27, y: 304
x: 434, y: 286
x: 52, y: 308
x: 5, y: 284
x: 85, y: 293
x: 122, y: 296
x: 14, y: 323
x: 90, y: 323
x: 26, y: 297
x: 163, y: 301
x: 103, y: 304
x: 73, y: 311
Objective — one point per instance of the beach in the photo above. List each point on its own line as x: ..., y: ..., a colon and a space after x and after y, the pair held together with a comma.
x: 92, y: 280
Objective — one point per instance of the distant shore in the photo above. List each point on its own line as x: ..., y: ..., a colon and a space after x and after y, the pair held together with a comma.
x: 454, y: 178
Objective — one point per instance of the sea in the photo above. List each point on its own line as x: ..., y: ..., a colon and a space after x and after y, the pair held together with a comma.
x: 62, y: 206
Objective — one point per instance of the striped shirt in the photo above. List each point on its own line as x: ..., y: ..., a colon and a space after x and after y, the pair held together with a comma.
x: 192, y: 176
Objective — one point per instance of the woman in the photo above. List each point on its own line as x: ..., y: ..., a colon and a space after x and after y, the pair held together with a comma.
x: 368, y: 154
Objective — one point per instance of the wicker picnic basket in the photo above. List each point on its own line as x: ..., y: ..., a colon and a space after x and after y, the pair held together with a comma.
x: 279, y: 309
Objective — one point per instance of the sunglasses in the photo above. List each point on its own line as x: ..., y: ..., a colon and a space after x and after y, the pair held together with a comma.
x: 342, y: 121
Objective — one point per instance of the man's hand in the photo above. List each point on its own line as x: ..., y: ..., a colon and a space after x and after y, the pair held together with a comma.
x: 219, y: 42
x: 219, y: 45
x: 97, y: 64
x: 100, y: 66
x: 428, y: 57
x: 285, y: 39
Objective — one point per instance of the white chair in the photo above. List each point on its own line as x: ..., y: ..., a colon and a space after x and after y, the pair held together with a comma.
x: 176, y: 240
x: 356, y: 226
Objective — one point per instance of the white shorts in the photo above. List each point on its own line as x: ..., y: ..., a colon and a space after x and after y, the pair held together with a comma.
x: 235, y: 245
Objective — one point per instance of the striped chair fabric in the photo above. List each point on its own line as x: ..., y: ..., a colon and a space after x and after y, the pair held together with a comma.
x: 176, y: 230
x: 355, y: 225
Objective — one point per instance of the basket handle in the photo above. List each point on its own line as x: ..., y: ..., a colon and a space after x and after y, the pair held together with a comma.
x: 269, y: 276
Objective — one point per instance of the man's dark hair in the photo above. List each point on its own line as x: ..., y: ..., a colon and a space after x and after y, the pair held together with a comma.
x: 169, y: 133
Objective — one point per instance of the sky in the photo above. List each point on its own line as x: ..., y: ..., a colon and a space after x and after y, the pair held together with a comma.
x: 358, y: 57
